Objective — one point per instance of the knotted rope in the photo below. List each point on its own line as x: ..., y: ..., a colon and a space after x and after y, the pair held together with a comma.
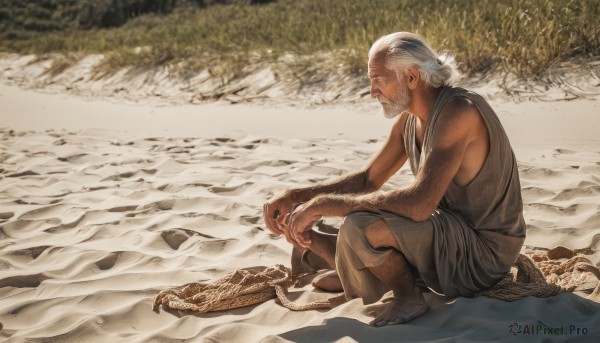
x: 237, y: 289
x: 542, y: 275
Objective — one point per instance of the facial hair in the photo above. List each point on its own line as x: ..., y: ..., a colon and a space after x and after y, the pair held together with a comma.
x: 397, y: 104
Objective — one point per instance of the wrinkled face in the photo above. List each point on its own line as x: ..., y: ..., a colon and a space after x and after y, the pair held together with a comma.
x: 391, y: 93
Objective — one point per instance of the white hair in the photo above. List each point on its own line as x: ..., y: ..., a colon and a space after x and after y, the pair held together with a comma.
x: 404, y: 49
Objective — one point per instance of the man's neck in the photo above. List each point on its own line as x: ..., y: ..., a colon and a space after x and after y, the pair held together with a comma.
x: 423, y: 99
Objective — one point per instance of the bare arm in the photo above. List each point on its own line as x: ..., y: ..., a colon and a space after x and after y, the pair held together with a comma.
x: 388, y: 160
x: 417, y: 201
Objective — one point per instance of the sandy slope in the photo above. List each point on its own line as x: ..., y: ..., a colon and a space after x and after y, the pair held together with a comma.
x: 104, y: 204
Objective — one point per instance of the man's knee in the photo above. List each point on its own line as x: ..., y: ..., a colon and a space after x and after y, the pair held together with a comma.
x: 352, y: 226
x: 366, y: 224
x: 378, y: 235
x: 373, y: 228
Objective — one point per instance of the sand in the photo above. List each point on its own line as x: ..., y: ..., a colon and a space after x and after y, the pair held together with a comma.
x: 103, y: 203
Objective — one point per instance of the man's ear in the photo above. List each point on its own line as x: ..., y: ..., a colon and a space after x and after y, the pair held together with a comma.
x: 412, y: 77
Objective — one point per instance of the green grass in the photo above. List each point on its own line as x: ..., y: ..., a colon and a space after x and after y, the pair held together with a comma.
x: 524, y: 37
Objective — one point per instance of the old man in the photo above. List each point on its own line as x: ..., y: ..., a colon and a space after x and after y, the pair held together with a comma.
x: 456, y: 229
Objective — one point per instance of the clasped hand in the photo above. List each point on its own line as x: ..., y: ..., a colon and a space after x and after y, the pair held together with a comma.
x: 295, y: 223
x: 299, y: 224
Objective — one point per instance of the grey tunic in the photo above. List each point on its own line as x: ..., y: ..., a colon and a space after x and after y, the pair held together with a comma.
x: 471, y: 240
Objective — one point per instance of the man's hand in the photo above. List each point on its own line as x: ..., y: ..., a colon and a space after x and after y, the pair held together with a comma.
x: 289, y: 235
x: 300, y: 223
x: 275, y: 212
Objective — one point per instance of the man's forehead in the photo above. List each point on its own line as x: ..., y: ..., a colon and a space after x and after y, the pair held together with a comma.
x: 377, y: 58
x: 377, y: 67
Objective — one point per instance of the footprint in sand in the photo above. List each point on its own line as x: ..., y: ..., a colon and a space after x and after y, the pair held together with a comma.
x: 108, y: 261
x: 230, y: 189
x: 118, y: 177
x: 123, y: 208
x: 6, y: 215
x: 23, y: 281
x: 23, y: 173
x: 34, y: 252
x: 162, y: 205
x: 71, y: 158
x: 178, y: 150
x: 577, y: 192
x: 249, y: 219
x: 224, y: 140
x: 61, y: 141
x: 563, y: 151
x: 175, y: 237
x: 37, y: 251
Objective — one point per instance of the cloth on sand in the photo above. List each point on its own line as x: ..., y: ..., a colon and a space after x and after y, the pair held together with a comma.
x: 469, y: 243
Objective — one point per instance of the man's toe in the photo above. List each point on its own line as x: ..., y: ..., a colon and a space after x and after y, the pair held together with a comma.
x: 379, y: 322
x: 396, y: 321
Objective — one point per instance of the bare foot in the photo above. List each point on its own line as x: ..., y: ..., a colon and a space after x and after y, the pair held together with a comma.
x: 328, y: 281
x: 400, y: 311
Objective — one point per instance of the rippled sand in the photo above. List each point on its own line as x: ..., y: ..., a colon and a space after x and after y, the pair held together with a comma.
x: 92, y: 227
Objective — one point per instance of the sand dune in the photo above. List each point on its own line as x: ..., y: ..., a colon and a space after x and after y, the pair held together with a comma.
x: 168, y: 86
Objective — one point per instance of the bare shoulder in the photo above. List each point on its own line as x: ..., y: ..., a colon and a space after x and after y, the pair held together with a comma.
x: 462, y: 116
x: 461, y: 107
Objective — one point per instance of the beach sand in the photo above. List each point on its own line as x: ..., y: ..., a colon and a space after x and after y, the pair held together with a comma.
x: 105, y: 203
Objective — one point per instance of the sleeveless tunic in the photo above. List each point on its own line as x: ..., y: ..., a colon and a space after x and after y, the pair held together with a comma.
x: 491, y: 201
x: 490, y: 204
x: 472, y: 239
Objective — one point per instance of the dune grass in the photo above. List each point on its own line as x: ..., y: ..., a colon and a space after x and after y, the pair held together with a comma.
x: 523, y: 37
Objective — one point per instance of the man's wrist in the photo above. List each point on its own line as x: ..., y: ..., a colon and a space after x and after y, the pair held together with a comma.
x: 330, y: 205
x: 294, y: 195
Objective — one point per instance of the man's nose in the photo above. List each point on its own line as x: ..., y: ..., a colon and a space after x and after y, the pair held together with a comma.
x: 375, y: 92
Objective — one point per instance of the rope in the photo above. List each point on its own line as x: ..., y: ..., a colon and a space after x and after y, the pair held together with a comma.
x: 542, y: 275
x: 238, y: 289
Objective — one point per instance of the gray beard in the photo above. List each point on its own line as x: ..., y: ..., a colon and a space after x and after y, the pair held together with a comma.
x: 397, y: 105
x: 394, y: 110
